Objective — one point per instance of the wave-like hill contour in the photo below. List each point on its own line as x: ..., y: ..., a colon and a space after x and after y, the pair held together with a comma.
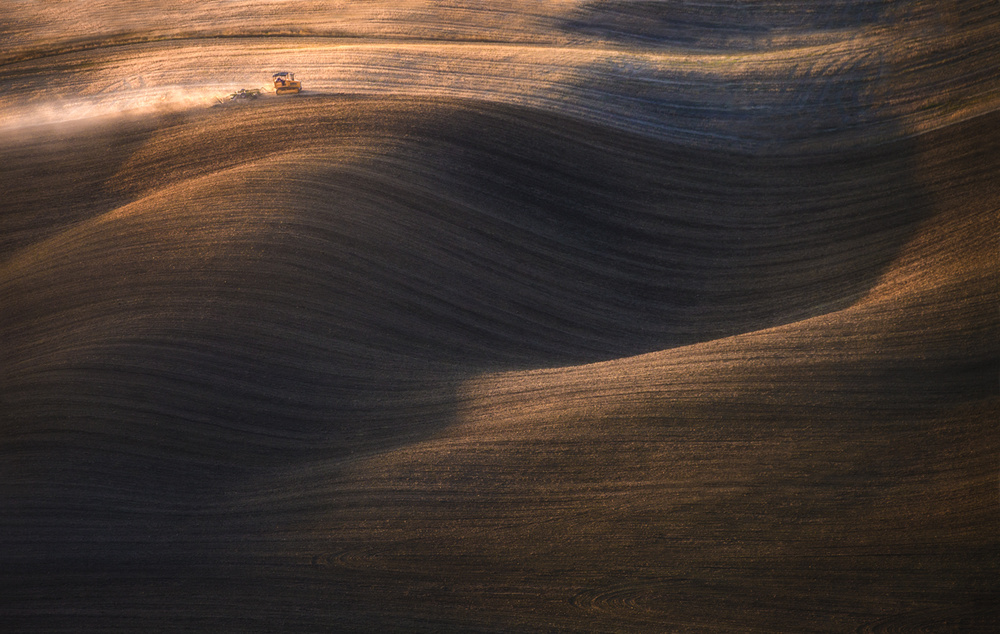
x: 604, y: 316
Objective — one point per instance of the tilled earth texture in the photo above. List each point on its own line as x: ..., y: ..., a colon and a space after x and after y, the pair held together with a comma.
x: 583, y: 316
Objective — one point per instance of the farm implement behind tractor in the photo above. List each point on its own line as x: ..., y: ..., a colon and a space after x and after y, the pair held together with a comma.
x: 284, y: 84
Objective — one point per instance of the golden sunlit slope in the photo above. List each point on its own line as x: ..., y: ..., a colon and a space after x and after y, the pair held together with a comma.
x: 624, y: 316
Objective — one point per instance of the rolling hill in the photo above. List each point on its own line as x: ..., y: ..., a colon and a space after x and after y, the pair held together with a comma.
x: 588, y: 316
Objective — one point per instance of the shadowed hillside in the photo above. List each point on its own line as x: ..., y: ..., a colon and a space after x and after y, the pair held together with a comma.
x: 605, y: 316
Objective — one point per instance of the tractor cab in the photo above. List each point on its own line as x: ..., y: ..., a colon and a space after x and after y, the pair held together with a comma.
x: 285, y: 84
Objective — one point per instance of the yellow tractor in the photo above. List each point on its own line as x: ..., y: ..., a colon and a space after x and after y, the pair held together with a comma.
x: 285, y: 84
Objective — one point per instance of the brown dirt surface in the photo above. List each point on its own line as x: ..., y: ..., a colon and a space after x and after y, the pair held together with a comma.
x: 566, y: 316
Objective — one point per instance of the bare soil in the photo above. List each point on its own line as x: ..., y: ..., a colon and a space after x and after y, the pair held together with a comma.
x: 602, y: 316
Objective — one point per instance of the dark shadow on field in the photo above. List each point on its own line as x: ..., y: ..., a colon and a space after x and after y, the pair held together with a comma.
x: 720, y: 25
x: 59, y: 174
